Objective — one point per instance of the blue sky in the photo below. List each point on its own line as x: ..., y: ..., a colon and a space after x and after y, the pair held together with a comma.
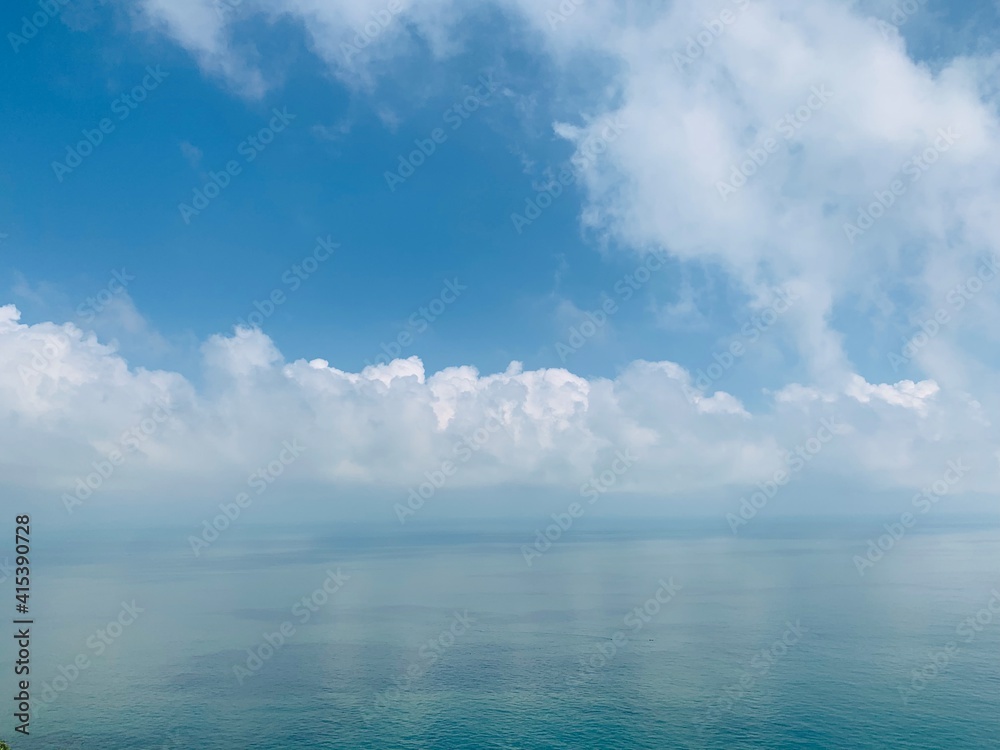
x: 119, y: 209
x: 563, y: 75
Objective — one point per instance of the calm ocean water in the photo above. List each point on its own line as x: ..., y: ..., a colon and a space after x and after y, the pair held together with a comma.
x: 644, y: 637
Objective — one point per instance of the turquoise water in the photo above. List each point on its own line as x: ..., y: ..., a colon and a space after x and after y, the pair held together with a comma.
x: 774, y: 641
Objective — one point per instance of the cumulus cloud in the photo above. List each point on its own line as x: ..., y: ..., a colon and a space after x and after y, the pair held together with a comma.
x: 74, y: 400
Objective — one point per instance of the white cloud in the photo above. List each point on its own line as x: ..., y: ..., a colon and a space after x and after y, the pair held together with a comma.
x: 906, y: 393
x: 73, y: 397
x: 201, y: 27
x: 691, y: 122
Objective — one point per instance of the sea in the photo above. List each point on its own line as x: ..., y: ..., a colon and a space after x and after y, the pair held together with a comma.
x: 805, y: 633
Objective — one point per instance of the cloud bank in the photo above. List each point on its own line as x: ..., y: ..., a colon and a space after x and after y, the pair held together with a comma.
x: 73, y: 403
